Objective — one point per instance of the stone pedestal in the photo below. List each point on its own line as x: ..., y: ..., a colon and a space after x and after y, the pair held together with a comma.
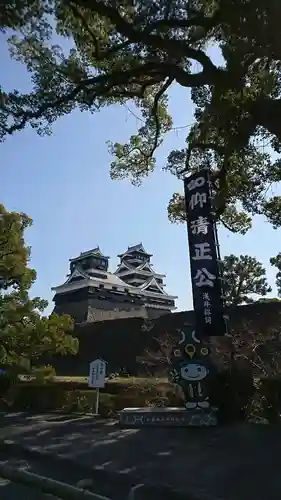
x: 166, y: 417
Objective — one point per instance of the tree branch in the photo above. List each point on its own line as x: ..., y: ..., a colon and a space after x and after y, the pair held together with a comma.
x: 207, y: 145
x: 173, y: 47
x: 100, y: 55
x: 105, y: 82
x: 227, y: 226
x: 154, y: 113
x: 80, y: 16
x: 195, y: 20
x: 31, y: 115
x: 113, y: 79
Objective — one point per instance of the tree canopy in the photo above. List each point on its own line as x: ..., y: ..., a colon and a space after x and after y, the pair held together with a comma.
x: 25, y: 335
x: 276, y: 262
x: 134, y: 51
x: 14, y: 254
x: 243, y: 277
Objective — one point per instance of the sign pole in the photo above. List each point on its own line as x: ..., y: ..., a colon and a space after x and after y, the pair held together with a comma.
x: 97, y: 400
x: 96, y: 379
x: 204, y: 259
x: 192, y: 364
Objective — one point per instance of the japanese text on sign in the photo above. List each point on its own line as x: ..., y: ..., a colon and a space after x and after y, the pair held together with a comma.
x: 199, y: 225
x: 205, y: 273
x: 207, y: 308
x: 97, y: 373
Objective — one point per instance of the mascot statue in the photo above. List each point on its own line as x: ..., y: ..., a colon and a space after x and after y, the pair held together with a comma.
x: 190, y: 370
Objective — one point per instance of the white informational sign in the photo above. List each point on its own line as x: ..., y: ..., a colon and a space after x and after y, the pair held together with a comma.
x: 97, y: 378
x: 97, y: 374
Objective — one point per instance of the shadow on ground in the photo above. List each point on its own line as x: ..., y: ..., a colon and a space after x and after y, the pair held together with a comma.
x: 231, y: 463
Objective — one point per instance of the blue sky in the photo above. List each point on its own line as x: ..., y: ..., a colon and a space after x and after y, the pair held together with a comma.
x: 63, y: 183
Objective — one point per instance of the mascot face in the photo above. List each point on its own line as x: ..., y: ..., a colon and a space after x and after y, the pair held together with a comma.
x: 193, y: 371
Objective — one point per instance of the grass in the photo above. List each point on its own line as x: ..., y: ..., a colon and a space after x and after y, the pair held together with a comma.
x: 81, y: 380
x: 140, y: 381
x: 117, y: 380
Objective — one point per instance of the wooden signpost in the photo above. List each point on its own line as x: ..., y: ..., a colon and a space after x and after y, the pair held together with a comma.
x: 96, y: 378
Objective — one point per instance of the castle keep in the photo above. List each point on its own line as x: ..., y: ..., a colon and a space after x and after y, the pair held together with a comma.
x: 92, y: 293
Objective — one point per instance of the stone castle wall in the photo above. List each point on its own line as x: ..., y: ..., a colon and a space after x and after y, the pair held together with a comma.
x: 121, y: 342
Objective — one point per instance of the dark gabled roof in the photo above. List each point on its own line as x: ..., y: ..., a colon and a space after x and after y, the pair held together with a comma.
x: 135, y: 248
x: 95, y: 252
x: 152, y: 283
x: 99, y: 277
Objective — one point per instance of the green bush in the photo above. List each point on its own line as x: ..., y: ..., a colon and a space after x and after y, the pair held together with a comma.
x: 43, y: 373
x: 269, y: 390
x: 132, y: 385
x: 85, y: 401
x: 231, y: 392
x: 8, y: 380
x: 49, y: 396
x: 35, y: 397
x: 5, y: 384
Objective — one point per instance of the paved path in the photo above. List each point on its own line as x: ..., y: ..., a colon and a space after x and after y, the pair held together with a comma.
x: 232, y: 463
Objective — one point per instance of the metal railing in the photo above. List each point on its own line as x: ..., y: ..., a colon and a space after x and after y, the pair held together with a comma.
x: 56, y: 488
x: 47, y: 485
x: 65, y: 491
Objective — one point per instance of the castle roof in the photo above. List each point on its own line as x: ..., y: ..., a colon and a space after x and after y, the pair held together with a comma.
x: 95, y: 252
x: 144, y: 269
x: 100, y: 277
x: 134, y: 277
x: 135, y: 248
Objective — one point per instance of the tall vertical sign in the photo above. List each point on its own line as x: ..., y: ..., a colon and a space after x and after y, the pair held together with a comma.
x: 205, y: 272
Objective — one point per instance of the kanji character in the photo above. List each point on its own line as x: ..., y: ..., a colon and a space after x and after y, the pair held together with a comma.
x: 199, y: 225
x: 198, y: 199
x: 208, y: 320
x: 196, y: 183
x: 202, y: 251
x: 204, y: 278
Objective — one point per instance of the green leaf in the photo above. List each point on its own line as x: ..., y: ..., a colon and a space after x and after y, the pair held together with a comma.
x: 25, y: 335
x: 276, y: 262
x: 232, y: 219
x: 243, y: 277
